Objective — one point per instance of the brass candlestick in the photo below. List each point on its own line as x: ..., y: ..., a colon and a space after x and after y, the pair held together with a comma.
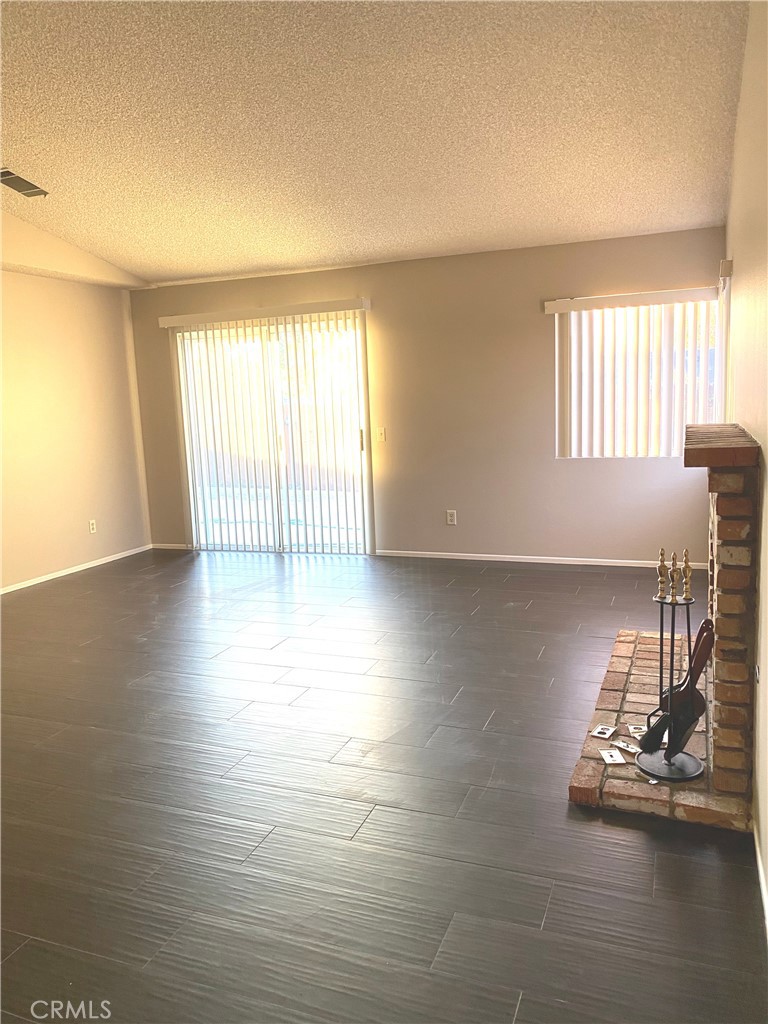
x: 687, y: 573
x: 661, y: 569
x: 674, y: 576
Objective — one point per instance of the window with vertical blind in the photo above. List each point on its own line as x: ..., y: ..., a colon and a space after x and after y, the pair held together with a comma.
x: 274, y: 417
x: 633, y: 370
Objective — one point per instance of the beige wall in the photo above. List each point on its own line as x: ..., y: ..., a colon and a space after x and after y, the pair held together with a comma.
x: 70, y: 449
x: 462, y: 377
x: 748, y: 247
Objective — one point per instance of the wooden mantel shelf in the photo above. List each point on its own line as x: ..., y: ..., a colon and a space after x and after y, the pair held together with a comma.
x: 719, y: 445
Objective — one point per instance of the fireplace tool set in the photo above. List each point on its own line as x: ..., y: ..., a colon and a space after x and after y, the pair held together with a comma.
x: 681, y: 705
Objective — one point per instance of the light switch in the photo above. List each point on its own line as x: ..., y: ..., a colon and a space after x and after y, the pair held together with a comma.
x: 381, y: 434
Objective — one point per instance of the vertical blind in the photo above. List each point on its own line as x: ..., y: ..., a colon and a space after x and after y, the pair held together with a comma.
x: 273, y: 412
x: 631, y: 377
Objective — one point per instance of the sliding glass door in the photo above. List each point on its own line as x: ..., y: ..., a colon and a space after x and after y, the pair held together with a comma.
x: 274, y: 415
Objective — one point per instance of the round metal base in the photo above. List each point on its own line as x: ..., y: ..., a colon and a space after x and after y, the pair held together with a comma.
x: 682, y: 768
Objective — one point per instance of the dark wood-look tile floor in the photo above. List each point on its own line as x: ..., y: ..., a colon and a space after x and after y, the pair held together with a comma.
x: 252, y: 789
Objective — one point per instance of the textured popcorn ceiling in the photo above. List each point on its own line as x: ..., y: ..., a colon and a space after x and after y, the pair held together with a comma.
x: 183, y: 140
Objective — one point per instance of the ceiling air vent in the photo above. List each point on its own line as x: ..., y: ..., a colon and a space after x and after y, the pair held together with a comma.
x: 19, y: 184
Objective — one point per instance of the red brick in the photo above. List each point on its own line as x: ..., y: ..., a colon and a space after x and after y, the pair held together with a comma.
x: 609, y: 700
x: 623, y: 771
x: 584, y: 788
x: 735, y: 759
x: 730, y: 782
x: 726, y: 483
x: 733, y: 529
x: 733, y: 579
x: 623, y: 650
x: 733, y: 693
x: 635, y: 696
x: 592, y: 747
x: 647, y: 673
x: 730, y: 650
x: 645, y: 684
x: 711, y: 809
x: 732, y: 738
x: 602, y: 717
x: 731, y: 716
x: 649, y: 678
x: 734, y: 554
x: 731, y: 626
x: 634, y: 795
x: 619, y: 665
x: 725, y: 506
x: 614, y: 681
x: 731, y: 672
x: 731, y: 604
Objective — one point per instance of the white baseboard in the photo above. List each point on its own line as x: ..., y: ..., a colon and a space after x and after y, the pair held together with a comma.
x: 75, y: 568
x: 173, y: 547
x: 545, y: 559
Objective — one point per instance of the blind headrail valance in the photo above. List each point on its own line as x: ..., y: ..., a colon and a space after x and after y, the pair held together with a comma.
x: 636, y: 299
x: 263, y: 312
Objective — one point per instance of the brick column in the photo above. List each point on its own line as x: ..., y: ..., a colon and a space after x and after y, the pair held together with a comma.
x: 711, y: 560
x: 734, y: 527
x: 732, y: 457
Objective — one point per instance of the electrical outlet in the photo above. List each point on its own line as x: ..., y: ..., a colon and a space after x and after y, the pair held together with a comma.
x: 450, y: 517
x: 92, y: 526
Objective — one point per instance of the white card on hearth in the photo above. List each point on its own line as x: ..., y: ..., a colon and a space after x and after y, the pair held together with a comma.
x: 623, y: 745
x: 604, y: 732
x: 612, y: 757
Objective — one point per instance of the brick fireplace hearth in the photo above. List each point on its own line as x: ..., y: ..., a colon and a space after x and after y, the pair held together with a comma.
x: 630, y: 689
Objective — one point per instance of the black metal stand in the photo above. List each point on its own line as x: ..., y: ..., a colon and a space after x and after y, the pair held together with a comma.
x: 659, y: 765
x: 681, y: 768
